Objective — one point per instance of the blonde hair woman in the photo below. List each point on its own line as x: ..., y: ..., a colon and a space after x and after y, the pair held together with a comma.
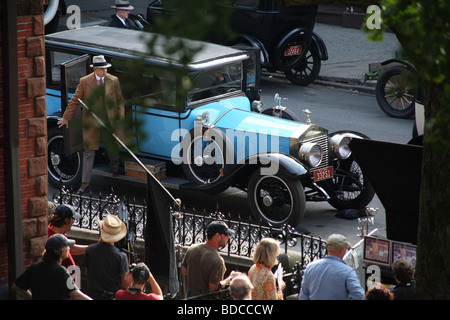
x: 260, y: 274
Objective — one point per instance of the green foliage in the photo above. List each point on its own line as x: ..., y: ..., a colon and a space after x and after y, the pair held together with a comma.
x: 194, y: 19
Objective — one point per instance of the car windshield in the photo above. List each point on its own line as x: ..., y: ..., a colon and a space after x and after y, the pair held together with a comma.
x: 216, y: 82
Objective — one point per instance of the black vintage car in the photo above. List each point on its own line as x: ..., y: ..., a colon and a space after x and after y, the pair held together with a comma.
x: 284, y: 35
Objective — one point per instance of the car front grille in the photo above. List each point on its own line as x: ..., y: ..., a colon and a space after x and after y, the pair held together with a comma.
x: 321, y: 140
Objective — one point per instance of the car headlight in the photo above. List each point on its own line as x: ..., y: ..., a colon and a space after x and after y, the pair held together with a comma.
x: 203, y: 119
x: 339, y: 146
x: 257, y: 106
x: 312, y: 153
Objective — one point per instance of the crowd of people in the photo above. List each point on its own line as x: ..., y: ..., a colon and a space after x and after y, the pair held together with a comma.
x: 110, y: 277
x: 329, y: 278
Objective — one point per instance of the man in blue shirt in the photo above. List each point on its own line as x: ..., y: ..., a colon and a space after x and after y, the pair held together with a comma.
x: 330, y: 278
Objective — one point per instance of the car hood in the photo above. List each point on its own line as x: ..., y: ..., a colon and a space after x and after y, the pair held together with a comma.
x: 248, y: 121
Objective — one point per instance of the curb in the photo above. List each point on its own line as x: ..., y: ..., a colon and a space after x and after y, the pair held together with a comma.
x: 348, y: 84
x: 334, y: 82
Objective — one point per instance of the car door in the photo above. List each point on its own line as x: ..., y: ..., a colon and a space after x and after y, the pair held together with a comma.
x: 159, y: 132
x: 157, y: 117
x: 71, y: 72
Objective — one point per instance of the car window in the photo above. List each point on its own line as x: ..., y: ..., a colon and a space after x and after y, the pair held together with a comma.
x: 152, y: 87
x: 215, y: 82
x: 54, y: 60
x: 158, y: 90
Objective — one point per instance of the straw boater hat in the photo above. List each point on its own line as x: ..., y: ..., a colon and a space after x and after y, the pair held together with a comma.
x: 112, y: 229
x: 99, y: 62
x: 122, y: 5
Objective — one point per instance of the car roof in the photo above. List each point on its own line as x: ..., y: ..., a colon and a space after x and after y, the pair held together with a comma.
x: 132, y: 43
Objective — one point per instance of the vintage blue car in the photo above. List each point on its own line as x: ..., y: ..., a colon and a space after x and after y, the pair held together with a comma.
x: 197, y: 119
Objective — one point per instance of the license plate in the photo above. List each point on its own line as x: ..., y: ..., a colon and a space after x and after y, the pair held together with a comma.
x: 293, y: 51
x: 323, y: 174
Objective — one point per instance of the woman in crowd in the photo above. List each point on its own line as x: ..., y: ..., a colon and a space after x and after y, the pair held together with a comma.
x: 265, y: 286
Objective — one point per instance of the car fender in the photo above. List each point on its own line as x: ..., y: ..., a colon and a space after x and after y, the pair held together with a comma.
x: 297, y: 32
x: 403, y: 62
x: 272, y: 162
x: 349, y: 133
x: 256, y: 43
x: 319, y: 44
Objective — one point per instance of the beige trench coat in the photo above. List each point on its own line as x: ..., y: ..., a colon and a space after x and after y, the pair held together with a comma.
x: 113, y: 99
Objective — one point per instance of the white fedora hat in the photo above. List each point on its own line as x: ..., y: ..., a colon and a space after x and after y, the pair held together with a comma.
x: 99, y: 62
x: 112, y: 229
x: 123, y: 5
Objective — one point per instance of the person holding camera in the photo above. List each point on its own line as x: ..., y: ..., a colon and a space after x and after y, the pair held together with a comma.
x: 141, y: 276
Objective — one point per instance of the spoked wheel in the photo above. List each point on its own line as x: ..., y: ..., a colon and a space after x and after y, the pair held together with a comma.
x: 395, y: 92
x: 205, y: 156
x: 63, y: 169
x: 349, y: 188
x: 276, y: 199
x: 307, y: 71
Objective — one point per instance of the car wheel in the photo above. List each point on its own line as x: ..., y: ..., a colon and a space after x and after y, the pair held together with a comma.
x: 276, y: 199
x: 206, y: 157
x: 62, y: 169
x: 282, y: 60
x: 395, y: 92
x: 349, y: 188
x: 51, y: 16
x: 307, y: 71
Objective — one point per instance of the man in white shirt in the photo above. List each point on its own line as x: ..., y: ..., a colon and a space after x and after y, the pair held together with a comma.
x: 99, y: 89
x: 120, y: 19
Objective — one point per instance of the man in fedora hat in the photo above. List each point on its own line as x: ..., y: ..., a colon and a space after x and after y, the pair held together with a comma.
x: 120, y: 19
x: 106, y: 265
x: 103, y: 95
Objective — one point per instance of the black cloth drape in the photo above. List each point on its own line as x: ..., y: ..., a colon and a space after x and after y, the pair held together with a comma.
x: 160, y: 254
x: 394, y: 171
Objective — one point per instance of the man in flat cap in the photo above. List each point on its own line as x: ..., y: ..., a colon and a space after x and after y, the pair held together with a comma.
x: 104, y: 97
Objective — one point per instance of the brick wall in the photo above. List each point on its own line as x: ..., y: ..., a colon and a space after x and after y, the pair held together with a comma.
x: 33, y: 140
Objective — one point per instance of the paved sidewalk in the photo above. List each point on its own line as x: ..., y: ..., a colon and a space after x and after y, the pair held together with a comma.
x: 350, y: 53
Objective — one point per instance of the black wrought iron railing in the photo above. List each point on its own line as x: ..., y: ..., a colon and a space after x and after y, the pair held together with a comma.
x: 189, y: 228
